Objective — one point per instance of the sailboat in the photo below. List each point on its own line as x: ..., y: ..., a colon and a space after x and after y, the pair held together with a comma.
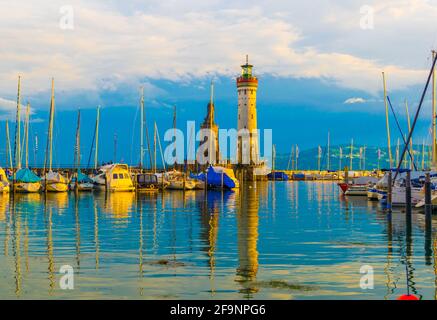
x: 53, y: 181
x: 26, y: 181
x: 80, y: 182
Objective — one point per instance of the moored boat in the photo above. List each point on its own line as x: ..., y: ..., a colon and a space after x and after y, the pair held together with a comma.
x: 219, y: 177
x: 146, y: 182
x: 54, y: 182
x: 84, y: 183
x: 113, y: 177
x: 26, y: 181
x: 358, y: 186
x: 4, y: 183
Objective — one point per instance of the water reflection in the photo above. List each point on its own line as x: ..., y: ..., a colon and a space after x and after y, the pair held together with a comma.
x: 247, y: 226
x: 267, y: 240
x: 117, y: 204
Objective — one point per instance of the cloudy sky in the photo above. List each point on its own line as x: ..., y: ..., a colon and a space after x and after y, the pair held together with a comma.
x: 317, y: 60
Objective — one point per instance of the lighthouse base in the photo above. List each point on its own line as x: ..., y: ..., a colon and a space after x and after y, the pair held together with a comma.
x: 256, y: 172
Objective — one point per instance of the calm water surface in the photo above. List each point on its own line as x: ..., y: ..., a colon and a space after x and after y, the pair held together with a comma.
x: 283, y: 240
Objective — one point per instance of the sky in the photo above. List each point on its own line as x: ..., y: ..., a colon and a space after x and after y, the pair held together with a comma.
x: 319, y: 65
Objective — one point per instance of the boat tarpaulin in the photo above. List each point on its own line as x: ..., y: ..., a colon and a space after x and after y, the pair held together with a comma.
x: 27, y: 176
x: 55, y: 177
x: 214, y: 176
x: 83, y: 178
x: 277, y: 175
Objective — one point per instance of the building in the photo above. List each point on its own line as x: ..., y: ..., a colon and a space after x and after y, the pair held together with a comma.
x: 247, y: 145
x: 209, y: 123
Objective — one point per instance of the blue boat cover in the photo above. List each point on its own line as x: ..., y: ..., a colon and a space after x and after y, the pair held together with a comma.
x: 27, y: 176
x: 214, y: 176
x: 277, y: 175
x: 82, y: 178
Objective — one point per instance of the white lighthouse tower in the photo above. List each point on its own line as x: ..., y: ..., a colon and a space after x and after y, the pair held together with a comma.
x: 247, y: 146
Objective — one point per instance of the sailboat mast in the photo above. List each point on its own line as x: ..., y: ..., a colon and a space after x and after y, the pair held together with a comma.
x: 160, y: 147
x: 8, y: 145
x: 142, y: 129
x: 27, y: 134
x: 386, y: 121
x: 297, y: 155
x: 327, y: 155
x: 77, y: 148
x: 340, y: 156
x: 433, y: 138
x: 17, y: 154
x: 52, y: 111
x: 97, y: 137
x: 211, y: 132
x: 411, y: 140
x: 154, y: 147
x: 273, y: 158
x: 351, y: 154
x: 319, y: 157
x: 423, y: 154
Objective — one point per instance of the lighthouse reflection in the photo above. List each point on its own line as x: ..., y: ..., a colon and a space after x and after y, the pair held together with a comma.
x: 247, y: 226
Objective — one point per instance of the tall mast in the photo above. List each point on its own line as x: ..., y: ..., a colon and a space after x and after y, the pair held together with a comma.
x: 423, y: 154
x: 160, y: 147
x: 319, y: 157
x: 297, y: 155
x: 26, y: 134
x: 77, y: 147
x: 433, y: 138
x: 17, y: 153
x: 351, y: 154
x: 97, y: 137
x: 211, y: 132
x: 174, y: 126
x: 142, y: 128
x: 115, y: 147
x: 340, y: 156
x: 386, y: 121
x: 411, y: 140
x: 8, y: 145
x: 154, y: 147
x: 50, y: 133
x: 327, y: 155
x: 397, y: 151
x: 273, y: 158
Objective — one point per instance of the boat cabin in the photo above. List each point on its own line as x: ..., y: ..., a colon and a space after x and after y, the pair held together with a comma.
x: 147, y: 181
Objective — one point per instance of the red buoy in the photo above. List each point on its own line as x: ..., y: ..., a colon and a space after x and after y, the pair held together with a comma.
x: 408, y: 297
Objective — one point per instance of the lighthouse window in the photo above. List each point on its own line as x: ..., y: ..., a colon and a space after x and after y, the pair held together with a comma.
x: 252, y: 115
x: 245, y: 91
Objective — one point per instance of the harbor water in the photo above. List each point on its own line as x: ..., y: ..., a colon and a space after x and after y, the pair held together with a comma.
x: 268, y: 240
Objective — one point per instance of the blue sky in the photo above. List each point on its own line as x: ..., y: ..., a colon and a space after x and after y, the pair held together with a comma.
x: 319, y: 69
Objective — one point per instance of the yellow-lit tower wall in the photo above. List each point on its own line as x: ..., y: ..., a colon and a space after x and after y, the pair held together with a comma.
x: 247, y: 86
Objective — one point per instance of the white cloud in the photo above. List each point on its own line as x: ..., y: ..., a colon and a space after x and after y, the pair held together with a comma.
x: 8, y: 109
x: 114, y: 43
x: 354, y: 100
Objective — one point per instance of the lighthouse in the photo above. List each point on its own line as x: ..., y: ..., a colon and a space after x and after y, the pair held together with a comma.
x: 247, y: 145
